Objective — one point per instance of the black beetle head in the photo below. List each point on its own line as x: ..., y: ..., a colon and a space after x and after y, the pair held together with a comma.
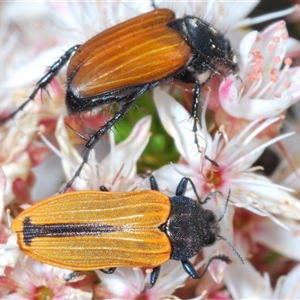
x: 190, y: 227
x: 211, y: 50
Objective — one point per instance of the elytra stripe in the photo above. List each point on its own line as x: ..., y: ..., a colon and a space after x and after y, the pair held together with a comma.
x: 31, y: 231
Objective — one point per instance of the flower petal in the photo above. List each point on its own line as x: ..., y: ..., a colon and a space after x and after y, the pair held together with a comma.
x: 9, y: 254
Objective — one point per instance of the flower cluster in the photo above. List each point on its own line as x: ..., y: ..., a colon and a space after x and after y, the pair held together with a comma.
x: 244, y: 128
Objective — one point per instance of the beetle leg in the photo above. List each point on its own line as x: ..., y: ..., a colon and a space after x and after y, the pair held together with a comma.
x: 154, y: 275
x: 109, y: 271
x: 45, y: 80
x: 195, y: 109
x: 181, y: 187
x: 189, y: 268
x: 72, y: 276
x: 103, y: 188
x: 181, y: 190
x: 153, y: 183
x: 153, y: 4
x: 194, y: 189
x: 91, y: 143
x: 153, y: 278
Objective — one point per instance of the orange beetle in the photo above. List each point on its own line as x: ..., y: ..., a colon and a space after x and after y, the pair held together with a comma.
x: 123, y: 62
x: 91, y: 230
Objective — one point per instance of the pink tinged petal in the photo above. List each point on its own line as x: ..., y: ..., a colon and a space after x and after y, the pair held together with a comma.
x: 244, y: 282
x: 9, y: 253
x: 177, y: 122
x: 217, y: 270
x: 229, y: 99
x: 31, y: 277
x: 290, y: 288
x: 272, y: 31
x: 266, y: 90
x: 68, y: 292
x: 251, y: 109
x: 279, y: 239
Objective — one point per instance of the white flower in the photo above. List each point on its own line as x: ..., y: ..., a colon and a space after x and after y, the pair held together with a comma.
x: 287, y: 172
x: 234, y: 157
x: 127, y: 283
x: 35, y: 279
x: 19, y: 153
x: 9, y: 253
x: 266, y: 89
x: 246, y: 283
x: 117, y: 170
x: 220, y: 13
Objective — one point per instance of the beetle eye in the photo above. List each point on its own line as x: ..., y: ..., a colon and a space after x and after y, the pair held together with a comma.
x: 210, y: 239
x: 210, y: 216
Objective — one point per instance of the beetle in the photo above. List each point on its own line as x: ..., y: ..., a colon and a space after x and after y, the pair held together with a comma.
x: 125, y: 61
x: 89, y: 230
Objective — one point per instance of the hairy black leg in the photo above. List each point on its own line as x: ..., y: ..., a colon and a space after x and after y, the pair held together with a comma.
x: 153, y: 183
x: 189, y: 268
x: 72, y: 276
x: 91, y: 143
x: 45, y: 80
x: 194, y: 114
x: 109, y: 271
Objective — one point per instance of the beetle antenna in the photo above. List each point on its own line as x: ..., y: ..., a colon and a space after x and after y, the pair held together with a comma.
x: 226, y: 204
x: 232, y: 248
